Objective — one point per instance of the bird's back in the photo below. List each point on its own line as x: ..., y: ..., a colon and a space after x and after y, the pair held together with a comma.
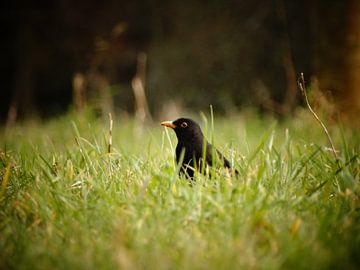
x: 214, y: 156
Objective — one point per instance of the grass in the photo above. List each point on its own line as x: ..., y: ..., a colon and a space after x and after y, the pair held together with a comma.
x: 67, y: 204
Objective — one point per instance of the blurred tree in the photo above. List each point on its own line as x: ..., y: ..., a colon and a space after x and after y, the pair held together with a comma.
x: 226, y: 53
x: 338, y: 53
x: 328, y: 34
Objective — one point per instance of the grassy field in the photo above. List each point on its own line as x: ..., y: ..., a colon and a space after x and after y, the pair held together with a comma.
x: 68, y: 204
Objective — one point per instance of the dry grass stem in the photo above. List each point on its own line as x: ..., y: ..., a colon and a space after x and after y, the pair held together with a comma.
x: 110, y: 133
x: 301, y: 83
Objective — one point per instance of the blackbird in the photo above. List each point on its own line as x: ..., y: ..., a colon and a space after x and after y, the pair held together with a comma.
x: 192, y: 142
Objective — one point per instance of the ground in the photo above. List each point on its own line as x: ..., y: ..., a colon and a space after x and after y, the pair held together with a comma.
x: 68, y: 204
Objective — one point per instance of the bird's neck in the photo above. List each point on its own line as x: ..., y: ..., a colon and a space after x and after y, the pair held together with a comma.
x: 192, y: 141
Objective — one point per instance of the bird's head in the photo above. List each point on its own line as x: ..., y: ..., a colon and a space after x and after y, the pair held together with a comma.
x: 186, y: 129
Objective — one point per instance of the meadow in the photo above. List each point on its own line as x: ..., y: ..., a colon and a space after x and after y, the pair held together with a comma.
x: 66, y: 203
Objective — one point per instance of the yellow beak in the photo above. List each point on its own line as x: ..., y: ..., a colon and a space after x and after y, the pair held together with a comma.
x: 169, y: 124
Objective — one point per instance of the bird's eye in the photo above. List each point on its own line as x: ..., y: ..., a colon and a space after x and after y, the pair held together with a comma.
x: 184, y: 125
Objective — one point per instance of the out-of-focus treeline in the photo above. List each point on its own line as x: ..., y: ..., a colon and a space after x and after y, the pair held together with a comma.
x: 180, y: 54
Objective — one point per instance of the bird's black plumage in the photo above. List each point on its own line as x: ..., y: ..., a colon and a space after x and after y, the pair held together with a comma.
x: 192, y: 142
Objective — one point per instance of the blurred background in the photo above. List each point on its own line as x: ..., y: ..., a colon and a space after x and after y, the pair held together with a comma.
x: 161, y: 58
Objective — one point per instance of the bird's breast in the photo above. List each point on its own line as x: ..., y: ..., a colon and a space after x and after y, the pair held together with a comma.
x: 190, y: 150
